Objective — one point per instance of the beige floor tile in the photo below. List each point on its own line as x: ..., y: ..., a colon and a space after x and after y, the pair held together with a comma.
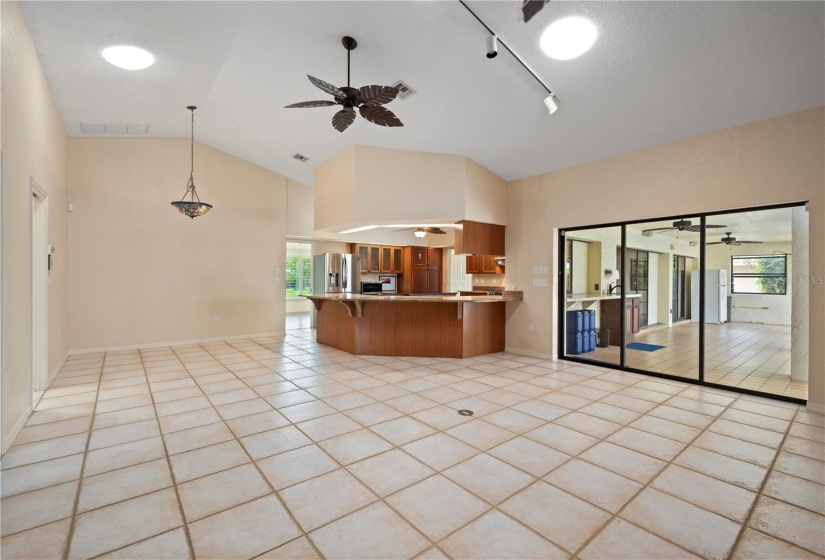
x: 402, y: 430
x: 479, y: 407
x: 127, y: 416
x: 207, y: 460
x: 722, y: 467
x: 594, y: 484
x: 719, y: 497
x: 692, y: 403
x: 373, y: 532
x: 561, y: 438
x: 746, y: 433
x: 40, y: 475
x: 437, y: 506
x: 68, y: 400
x: 183, y: 405
x: 764, y: 409
x: 801, y: 467
x: 116, y: 486
x: 440, y: 451
x: 194, y: 438
x: 754, y: 545
x: 354, y: 446
x: 32, y: 434
x: 307, y: 411
x: 59, y: 414
x: 349, y: 401
x: 373, y: 414
x: 610, y: 413
x: 123, y: 434
x: 187, y: 420
x: 626, y: 462
x: 513, y: 420
x: 19, y: 455
x: 221, y: 491
x: 700, y: 531
x: 342, y: 494
x: 291, y: 398
x: 495, y: 536
x: 480, y: 434
x: 298, y: 549
x: 682, y: 416
x: 176, y: 394
x: 124, y: 523
x: 590, y: 425
x: 124, y: 455
x: 789, y: 523
x: 804, y: 447
x: 807, y: 431
x: 171, y: 545
x: 441, y: 417
x: 647, y: 443
x: 391, y: 471
x: 274, y: 441
x: 736, y: 448
x: 623, y: 540
x: 47, y: 541
x: 630, y: 403
x: 489, y: 478
x: 296, y: 466
x: 36, y: 508
x: 756, y: 420
x: 666, y: 428
x: 256, y: 423
x: 529, y: 456
x: 561, y: 517
x: 329, y: 426
x: 244, y: 531
x: 797, y: 491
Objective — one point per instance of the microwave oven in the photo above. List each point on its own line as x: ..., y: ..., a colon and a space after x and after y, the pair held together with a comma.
x: 387, y: 283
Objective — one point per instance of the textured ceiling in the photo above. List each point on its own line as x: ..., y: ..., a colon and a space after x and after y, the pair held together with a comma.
x: 659, y: 71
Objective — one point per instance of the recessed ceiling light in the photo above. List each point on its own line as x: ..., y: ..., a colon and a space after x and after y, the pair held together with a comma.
x: 128, y: 58
x: 568, y: 38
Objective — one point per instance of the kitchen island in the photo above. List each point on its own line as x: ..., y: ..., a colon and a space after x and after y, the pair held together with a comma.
x: 431, y: 325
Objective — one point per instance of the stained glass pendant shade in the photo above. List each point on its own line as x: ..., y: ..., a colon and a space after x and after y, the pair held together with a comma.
x: 193, y: 207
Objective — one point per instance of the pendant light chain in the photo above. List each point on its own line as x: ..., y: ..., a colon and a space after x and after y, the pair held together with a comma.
x: 193, y: 207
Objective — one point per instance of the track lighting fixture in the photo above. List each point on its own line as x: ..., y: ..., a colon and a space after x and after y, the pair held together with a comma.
x: 550, y: 103
x: 492, y: 46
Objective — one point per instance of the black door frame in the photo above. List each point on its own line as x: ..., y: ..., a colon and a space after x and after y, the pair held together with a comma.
x: 562, y: 300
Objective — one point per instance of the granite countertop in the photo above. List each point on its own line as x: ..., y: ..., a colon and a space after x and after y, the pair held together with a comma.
x: 597, y: 297
x: 506, y: 296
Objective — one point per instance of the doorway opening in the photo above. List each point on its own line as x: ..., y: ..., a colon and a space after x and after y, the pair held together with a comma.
x: 298, y: 273
x: 40, y: 290
x: 680, y: 289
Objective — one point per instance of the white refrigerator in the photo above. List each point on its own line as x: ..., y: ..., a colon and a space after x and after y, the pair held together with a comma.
x: 716, y: 296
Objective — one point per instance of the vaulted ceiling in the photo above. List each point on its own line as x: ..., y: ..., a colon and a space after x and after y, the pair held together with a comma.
x: 659, y: 71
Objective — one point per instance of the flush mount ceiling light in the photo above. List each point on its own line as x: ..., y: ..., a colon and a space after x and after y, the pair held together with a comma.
x: 192, y: 207
x: 128, y: 58
x: 568, y: 38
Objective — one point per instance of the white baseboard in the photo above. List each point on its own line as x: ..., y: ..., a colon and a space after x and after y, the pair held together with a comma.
x: 817, y: 408
x: 529, y: 353
x: 173, y: 343
x: 15, y: 430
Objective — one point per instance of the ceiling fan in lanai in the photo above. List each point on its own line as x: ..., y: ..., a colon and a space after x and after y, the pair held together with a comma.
x: 679, y: 225
x: 728, y: 240
x: 367, y: 99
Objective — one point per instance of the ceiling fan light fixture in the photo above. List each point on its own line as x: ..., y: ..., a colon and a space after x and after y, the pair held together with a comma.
x: 192, y: 207
x: 568, y: 38
x: 128, y: 57
x: 550, y: 103
x: 420, y: 233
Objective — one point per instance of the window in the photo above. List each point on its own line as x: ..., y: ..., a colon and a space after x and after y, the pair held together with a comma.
x: 759, y: 275
x: 298, y: 269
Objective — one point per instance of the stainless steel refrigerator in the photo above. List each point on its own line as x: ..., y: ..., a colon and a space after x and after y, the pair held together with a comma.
x: 336, y: 273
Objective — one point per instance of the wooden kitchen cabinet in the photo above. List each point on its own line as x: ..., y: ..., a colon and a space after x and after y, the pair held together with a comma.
x: 473, y: 264
x: 477, y: 238
x: 379, y: 259
x: 419, y: 256
x: 425, y: 269
x: 611, y: 318
x: 434, y: 256
x: 483, y: 264
x: 363, y: 251
x: 426, y: 281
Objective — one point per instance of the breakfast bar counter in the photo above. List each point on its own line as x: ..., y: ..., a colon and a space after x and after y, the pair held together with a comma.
x: 422, y: 325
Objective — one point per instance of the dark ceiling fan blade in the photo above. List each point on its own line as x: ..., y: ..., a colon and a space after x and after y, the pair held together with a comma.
x: 435, y: 230
x: 342, y: 119
x: 741, y: 241
x: 657, y: 230
x: 716, y: 243
x: 326, y: 86
x: 380, y: 116
x: 698, y: 228
x: 377, y: 95
x: 310, y: 104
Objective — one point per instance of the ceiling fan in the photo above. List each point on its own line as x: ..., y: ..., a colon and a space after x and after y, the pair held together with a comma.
x: 679, y: 225
x: 422, y: 231
x: 367, y: 99
x: 728, y: 240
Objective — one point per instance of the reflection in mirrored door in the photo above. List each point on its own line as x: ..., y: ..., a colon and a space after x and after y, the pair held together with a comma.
x: 592, y: 327
x: 755, y: 297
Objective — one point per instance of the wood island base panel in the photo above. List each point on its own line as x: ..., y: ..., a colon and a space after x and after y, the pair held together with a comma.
x: 432, y: 327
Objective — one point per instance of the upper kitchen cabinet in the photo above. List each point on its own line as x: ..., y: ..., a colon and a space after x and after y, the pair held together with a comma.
x: 483, y: 264
x: 379, y: 259
x: 476, y: 238
x: 392, y: 260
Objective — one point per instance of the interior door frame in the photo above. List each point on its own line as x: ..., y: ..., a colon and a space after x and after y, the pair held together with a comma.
x: 39, y: 212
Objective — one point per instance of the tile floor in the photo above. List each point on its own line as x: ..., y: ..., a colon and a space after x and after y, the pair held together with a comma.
x: 746, y: 355
x: 283, y: 448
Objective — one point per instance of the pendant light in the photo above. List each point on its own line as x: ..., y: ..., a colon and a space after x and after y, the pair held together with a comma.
x: 192, y: 207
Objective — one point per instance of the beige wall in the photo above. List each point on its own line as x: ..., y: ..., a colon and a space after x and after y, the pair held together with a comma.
x: 335, y: 185
x: 485, y: 198
x: 769, y: 162
x: 33, y: 144
x: 142, y: 273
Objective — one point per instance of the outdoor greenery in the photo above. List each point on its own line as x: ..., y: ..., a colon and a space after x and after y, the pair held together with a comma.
x: 759, y: 275
x: 298, y: 276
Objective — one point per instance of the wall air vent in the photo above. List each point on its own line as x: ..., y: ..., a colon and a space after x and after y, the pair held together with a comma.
x: 404, y: 90
x: 300, y: 157
x: 112, y: 128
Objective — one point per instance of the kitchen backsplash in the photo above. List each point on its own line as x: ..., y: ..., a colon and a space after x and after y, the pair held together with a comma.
x: 488, y: 280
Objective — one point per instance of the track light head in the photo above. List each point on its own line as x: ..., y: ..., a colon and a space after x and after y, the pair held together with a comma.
x: 550, y: 103
x: 492, y: 46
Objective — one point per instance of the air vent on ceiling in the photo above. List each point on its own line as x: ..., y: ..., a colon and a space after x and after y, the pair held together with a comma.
x: 300, y: 157
x: 111, y: 128
x: 404, y: 90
